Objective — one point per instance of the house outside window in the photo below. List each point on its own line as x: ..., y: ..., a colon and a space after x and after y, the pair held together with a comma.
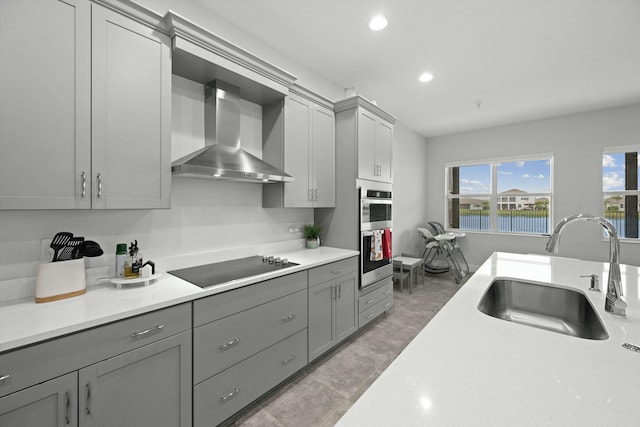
x: 500, y: 195
x: 621, y: 197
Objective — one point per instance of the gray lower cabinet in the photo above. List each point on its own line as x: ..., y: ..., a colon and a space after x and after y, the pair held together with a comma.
x: 221, y: 396
x: 51, y: 403
x: 135, y: 372
x: 375, y: 300
x: 333, y: 290
x: 149, y: 386
x: 245, y: 342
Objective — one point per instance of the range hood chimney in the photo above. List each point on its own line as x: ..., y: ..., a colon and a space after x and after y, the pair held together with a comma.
x: 222, y: 157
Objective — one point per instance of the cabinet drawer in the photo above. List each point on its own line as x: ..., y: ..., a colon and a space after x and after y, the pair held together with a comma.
x: 330, y: 271
x: 40, y: 362
x: 375, y: 310
x: 215, y: 307
x: 223, y: 395
x: 372, y: 298
x: 225, y: 342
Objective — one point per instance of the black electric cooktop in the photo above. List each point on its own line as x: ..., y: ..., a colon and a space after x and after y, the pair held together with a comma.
x: 216, y: 273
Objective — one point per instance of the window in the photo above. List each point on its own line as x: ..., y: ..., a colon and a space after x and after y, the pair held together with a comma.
x: 505, y: 196
x: 620, y: 175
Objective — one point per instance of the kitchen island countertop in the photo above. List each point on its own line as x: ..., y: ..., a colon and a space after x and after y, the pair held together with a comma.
x: 25, y: 322
x: 469, y: 369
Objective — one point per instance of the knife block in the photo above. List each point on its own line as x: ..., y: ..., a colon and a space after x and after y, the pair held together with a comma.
x: 60, y: 280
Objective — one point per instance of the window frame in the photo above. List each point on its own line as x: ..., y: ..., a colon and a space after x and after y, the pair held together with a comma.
x: 494, y: 197
x: 607, y: 194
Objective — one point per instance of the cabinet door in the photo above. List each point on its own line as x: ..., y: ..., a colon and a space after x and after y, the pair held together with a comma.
x: 324, y: 158
x: 384, y: 150
x: 367, y: 167
x: 45, y: 65
x: 51, y: 403
x: 131, y: 113
x: 346, y: 321
x: 297, y: 155
x: 149, y: 386
x: 321, y: 315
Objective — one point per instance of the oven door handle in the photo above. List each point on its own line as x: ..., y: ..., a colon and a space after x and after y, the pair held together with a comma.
x: 370, y: 233
x: 376, y: 201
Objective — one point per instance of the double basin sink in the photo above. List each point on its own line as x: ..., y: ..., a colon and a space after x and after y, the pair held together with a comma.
x: 560, y: 310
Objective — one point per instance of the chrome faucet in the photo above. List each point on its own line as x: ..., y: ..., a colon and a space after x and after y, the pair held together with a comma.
x: 613, y: 302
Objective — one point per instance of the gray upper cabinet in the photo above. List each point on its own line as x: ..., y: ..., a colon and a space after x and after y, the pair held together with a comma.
x: 85, y: 117
x: 369, y: 130
x: 131, y: 113
x: 300, y: 138
x: 45, y: 104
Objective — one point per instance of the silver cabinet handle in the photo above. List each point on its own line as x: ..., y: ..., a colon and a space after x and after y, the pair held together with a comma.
x: 229, y: 395
x: 87, y: 406
x: 229, y: 344
x: 5, y: 378
x: 67, y: 407
x: 387, y: 292
x: 387, y: 305
x: 290, y: 317
x: 337, y: 271
x: 147, y: 331
x: 99, y: 186
x: 288, y: 359
x: 371, y: 301
x: 83, y: 194
x: 370, y: 316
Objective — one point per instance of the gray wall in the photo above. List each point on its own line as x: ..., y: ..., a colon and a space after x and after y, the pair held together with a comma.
x: 410, y: 188
x: 576, y: 142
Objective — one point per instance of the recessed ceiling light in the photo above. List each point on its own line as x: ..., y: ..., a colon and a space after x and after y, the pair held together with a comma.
x: 378, y: 22
x: 425, y: 77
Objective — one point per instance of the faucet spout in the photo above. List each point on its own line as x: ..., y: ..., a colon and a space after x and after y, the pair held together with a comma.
x: 613, y: 303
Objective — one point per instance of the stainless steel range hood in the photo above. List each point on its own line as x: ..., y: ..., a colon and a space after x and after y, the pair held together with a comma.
x: 222, y: 157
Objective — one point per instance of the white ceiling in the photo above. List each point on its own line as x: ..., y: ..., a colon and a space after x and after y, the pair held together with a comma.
x: 494, y: 61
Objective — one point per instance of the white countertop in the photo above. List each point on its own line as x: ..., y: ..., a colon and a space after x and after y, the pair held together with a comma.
x: 25, y: 322
x: 466, y: 368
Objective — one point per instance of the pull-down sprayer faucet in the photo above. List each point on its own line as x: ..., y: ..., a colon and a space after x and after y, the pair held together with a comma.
x: 613, y: 302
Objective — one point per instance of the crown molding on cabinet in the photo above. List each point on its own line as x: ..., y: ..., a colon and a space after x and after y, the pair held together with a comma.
x: 360, y: 101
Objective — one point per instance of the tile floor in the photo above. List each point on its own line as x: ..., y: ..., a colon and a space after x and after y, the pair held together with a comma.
x: 325, y: 390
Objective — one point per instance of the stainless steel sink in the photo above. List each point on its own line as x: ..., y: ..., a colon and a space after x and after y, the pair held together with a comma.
x: 560, y: 310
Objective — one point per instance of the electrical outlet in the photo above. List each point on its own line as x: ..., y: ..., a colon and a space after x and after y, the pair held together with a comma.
x: 46, y: 252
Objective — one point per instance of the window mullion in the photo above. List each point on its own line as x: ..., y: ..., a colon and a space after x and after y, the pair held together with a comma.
x: 493, y: 198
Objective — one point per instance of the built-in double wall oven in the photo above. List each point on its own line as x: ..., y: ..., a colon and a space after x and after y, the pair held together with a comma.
x: 375, y: 223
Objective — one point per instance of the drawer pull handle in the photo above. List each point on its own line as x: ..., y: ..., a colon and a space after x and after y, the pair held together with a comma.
x: 229, y: 395
x: 387, y: 305
x: 288, y: 359
x: 67, y: 407
x: 229, y: 344
x: 337, y: 271
x: 370, y: 316
x: 4, y: 378
x: 290, y: 317
x: 156, y: 328
x: 371, y: 301
x: 387, y: 292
